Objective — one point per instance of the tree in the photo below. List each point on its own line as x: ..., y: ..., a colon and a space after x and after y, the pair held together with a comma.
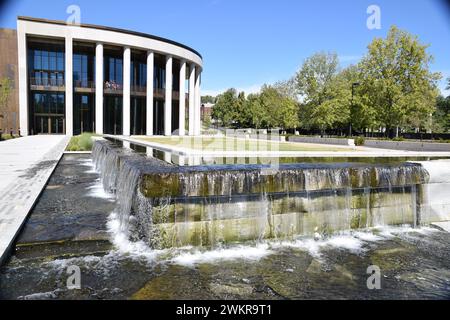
x: 314, y: 83
x: 441, y: 118
x: 225, y: 108
x: 315, y: 75
x: 281, y: 111
x: 208, y: 99
x: 351, y: 110
x: 397, y: 79
x: 5, y: 92
x: 448, y: 84
x: 287, y: 88
x: 240, y: 112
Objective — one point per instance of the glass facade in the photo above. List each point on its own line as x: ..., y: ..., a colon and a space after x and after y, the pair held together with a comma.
x: 46, y: 64
x: 158, y: 116
x: 113, y: 69
x: 159, y: 73
x: 47, y: 113
x: 138, y: 80
x: 83, y: 68
x: 138, y: 115
x: 175, y: 115
x: 138, y: 72
x: 46, y: 78
x: 83, y: 113
x: 112, y: 114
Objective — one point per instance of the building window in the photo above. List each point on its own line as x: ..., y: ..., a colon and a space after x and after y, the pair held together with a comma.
x: 46, y: 65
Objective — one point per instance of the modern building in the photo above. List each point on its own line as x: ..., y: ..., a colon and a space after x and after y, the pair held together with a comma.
x: 89, y: 78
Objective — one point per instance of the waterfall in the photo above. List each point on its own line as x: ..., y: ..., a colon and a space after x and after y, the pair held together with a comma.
x: 118, y: 177
x: 170, y: 206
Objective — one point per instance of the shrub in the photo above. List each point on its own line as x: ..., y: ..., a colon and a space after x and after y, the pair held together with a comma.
x: 82, y: 142
x: 398, y: 139
x: 7, y: 136
x: 359, y: 141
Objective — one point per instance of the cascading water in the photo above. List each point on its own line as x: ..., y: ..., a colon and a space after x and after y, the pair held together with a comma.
x: 169, y: 206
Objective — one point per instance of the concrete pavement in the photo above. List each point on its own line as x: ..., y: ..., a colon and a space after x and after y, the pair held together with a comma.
x: 26, y: 164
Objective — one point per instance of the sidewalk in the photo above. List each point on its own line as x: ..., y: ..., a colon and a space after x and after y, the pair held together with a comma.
x: 26, y: 164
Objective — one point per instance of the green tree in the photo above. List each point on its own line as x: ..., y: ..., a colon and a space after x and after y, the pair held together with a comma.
x: 287, y: 88
x: 255, y: 113
x: 281, y: 111
x: 397, y: 78
x: 225, y: 109
x: 441, y: 118
x: 240, y: 112
x: 208, y: 99
x: 315, y: 82
x: 356, y: 111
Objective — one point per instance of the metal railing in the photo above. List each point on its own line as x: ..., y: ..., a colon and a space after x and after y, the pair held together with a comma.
x: 47, y: 82
x: 84, y: 84
x: 138, y: 88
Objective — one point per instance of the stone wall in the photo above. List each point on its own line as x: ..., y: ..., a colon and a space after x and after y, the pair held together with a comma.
x: 408, y: 145
x: 9, y: 68
x: 319, y: 140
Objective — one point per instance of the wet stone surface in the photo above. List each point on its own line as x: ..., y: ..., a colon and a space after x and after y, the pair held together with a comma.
x: 68, y: 227
x: 70, y: 207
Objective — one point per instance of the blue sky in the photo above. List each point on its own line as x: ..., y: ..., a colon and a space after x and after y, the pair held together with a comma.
x: 246, y: 43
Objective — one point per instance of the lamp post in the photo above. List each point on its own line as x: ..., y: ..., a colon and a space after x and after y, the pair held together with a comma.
x: 354, y: 85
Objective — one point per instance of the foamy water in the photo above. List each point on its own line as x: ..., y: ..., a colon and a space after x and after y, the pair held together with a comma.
x: 97, y: 191
x: 89, y: 164
x: 355, y: 242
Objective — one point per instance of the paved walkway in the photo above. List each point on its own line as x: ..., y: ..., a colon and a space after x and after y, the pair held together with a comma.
x: 26, y: 164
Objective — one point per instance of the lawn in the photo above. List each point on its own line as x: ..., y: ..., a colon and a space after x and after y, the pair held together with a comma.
x: 233, y: 144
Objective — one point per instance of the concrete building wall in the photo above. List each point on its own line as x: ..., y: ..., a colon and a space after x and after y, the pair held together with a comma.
x: 128, y: 40
x: 8, y: 68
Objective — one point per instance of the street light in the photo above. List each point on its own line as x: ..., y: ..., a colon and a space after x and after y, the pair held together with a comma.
x: 354, y: 85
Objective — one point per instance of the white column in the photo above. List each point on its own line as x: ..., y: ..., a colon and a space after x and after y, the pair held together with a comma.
x: 191, y: 99
x: 149, y: 106
x: 126, y: 91
x: 168, y: 100
x: 182, y: 104
x: 23, y: 81
x: 197, y: 122
x: 69, y: 85
x: 99, y: 88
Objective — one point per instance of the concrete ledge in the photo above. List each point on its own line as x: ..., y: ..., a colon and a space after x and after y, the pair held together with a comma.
x: 408, y: 145
x: 77, y: 152
x: 319, y: 140
x: 443, y: 226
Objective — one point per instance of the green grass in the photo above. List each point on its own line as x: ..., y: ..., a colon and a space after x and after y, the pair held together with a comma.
x: 233, y: 144
x: 82, y: 142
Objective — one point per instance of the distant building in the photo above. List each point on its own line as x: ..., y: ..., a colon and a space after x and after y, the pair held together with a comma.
x: 206, y: 110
